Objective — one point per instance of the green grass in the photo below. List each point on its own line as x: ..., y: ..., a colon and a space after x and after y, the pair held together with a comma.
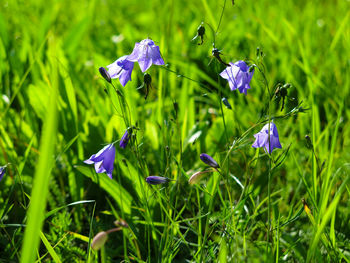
x: 55, y: 113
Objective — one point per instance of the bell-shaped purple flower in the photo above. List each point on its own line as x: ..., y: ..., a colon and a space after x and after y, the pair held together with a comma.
x: 207, y: 159
x: 2, y: 171
x: 262, y: 138
x: 103, y: 160
x: 146, y: 53
x: 121, y: 69
x: 157, y: 180
x: 124, y: 140
x: 238, y: 75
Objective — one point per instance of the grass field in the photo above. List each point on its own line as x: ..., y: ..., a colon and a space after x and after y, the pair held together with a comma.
x: 56, y: 111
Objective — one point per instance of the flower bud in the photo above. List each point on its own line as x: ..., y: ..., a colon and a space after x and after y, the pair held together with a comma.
x: 147, y: 79
x: 196, y: 177
x: 207, y: 159
x: 104, y: 73
x: 216, y: 53
x: 121, y: 223
x: 283, y: 91
x: 201, y: 30
x: 2, y: 171
x: 99, y: 240
x: 257, y: 51
x: 226, y: 103
x: 251, y: 68
x: 124, y: 140
x: 200, y: 33
x: 157, y: 180
x: 308, y: 142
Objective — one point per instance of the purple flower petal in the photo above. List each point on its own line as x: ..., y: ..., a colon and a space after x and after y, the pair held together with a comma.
x: 262, y: 138
x: 121, y: 69
x: 157, y: 180
x: 103, y: 160
x: 146, y: 53
x: 124, y: 140
x: 238, y: 76
x: 2, y: 171
x: 207, y: 159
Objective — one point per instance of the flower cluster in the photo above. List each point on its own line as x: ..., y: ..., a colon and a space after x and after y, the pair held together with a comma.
x: 145, y: 53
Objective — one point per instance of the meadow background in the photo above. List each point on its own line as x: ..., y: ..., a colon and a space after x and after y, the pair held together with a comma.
x: 55, y: 114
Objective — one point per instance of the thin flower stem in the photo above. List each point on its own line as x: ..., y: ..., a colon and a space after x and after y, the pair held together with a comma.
x: 126, y: 121
x: 270, y: 164
x: 183, y: 76
x: 222, y: 14
x: 113, y: 230
x: 227, y: 140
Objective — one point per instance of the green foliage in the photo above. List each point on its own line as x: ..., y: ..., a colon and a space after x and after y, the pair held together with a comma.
x: 55, y: 113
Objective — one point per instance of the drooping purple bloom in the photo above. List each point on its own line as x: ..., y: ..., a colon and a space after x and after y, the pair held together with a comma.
x: 121, y: 69
x: 124, y: 140
x: 207, y: 159
x: 157, y: 180
x: 238, y: 75
x: 2, y: 171
x: 103, y: 160
x: 262, y: 138
x: 146, y: 53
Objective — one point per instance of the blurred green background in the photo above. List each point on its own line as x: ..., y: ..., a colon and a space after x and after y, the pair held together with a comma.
x: 59, y: 45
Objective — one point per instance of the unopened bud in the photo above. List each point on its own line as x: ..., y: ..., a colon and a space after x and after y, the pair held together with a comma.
x: 283, y: 91
x: 207, y: 159
x: 99, y: 240
x: 147, y: 79
x: 201, y: 30
x: 196, y: 177
x: 104, y: 73
x: 121, y: 223
x: 2, y: 171
x: 287, y: 85
x: 308, y: 142
x: 157, y: 180
x: 226, y: 103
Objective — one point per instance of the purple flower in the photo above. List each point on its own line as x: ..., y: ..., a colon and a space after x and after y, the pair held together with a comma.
x: 2, y: 171
x: 124, y: 140
x: 238, y: 76
x: 157, y: 180
x: 146, y: 53
x: 121, y: 69
x: 103, y: 160
x: 262, y: 138
x: 207, y: 159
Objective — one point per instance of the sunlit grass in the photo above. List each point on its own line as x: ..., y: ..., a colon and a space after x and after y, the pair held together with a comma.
x: 56, y: 111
